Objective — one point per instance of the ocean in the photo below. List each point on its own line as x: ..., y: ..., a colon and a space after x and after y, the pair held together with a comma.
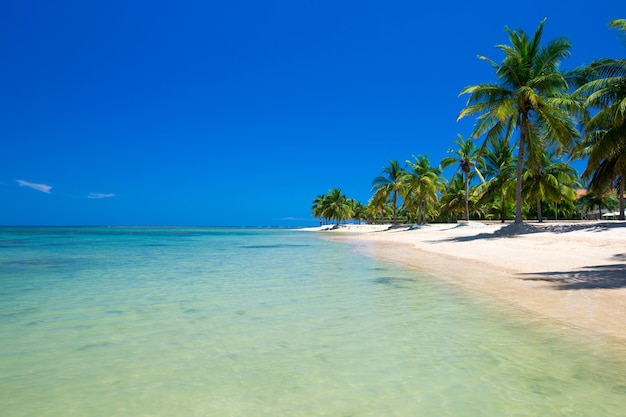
x: 182, y: 321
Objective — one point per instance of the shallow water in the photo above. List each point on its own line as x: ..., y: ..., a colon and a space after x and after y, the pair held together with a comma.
x: 262, y: 322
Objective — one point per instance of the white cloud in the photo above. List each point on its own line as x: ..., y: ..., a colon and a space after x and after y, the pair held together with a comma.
x: 100, y: 195
x: 39, y: 187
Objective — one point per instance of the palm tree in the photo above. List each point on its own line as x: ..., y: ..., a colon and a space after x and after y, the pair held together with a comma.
x: 499, y: 165
x: 467, y: 155
x: 530, y: 92
x: 318, y: 207
x: 378, y: 209
x: 553, y: 181
x: 590, y: 201
x: 336, y: 206
x: 423, y: 183
x: 454, y: 201
x: 605, y: 133
x: 357, y: 209
x: 389, y: 186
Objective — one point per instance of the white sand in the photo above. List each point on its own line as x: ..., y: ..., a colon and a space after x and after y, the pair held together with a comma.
x: 570, y: 273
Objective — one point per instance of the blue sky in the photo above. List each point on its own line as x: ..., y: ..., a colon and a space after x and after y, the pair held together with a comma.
x: 241, y: 112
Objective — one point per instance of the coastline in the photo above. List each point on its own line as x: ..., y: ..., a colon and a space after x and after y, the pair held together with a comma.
x: 570, y: 273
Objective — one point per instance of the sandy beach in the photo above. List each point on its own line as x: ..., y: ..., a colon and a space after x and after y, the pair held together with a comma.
x: 573, y: 274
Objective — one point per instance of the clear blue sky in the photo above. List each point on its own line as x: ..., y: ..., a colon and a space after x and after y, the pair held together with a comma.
x: 241, y: 112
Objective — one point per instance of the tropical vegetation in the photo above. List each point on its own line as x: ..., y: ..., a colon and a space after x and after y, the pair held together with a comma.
x: 467, y: 156
x: 530, y: 125
x: 605, y: 132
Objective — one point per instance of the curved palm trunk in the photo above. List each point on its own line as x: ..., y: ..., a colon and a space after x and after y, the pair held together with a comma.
x: 520, y: 169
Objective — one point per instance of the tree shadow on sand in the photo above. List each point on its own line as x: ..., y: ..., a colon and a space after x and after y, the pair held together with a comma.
x: 600, y: 276
x: 591, y: 277
x: 516, y: 229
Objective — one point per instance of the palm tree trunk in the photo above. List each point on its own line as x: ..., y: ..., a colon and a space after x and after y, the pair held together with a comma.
x: 419, y: 212
x: 599, y: 212
x: 520, y: 169
x: 395, y: 210
x: 539, y: 215
x: 621, y: 197
x: 466, y: 197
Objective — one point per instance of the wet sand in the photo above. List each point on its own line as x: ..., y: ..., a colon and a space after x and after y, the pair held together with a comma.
x: 573, y: 274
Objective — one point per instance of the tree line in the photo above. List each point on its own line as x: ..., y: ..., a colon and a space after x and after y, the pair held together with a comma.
x: 530, y: 125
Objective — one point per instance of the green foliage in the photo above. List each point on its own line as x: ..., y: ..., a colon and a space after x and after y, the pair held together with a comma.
x: 423, y: 183
x: 527, y: 120
x: 529, y: 97
x: 592, y: 201
x: 467, y: 156
x: 389, y: 186
x: 551, y: 181
x: 498, y: 191
x: 334, y: 205
x: 604, y: 141
x: 453, y: 200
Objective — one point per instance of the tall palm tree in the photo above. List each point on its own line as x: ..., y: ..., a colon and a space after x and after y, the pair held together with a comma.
x: 605, y: 133
x: 423, y: 183
x: 389, y: 186
x: 499, y: 166
x: 467, y: 156
x: 530, y: 92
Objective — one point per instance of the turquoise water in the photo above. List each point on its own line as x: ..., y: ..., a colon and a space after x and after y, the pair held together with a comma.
x: 261, y: 322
